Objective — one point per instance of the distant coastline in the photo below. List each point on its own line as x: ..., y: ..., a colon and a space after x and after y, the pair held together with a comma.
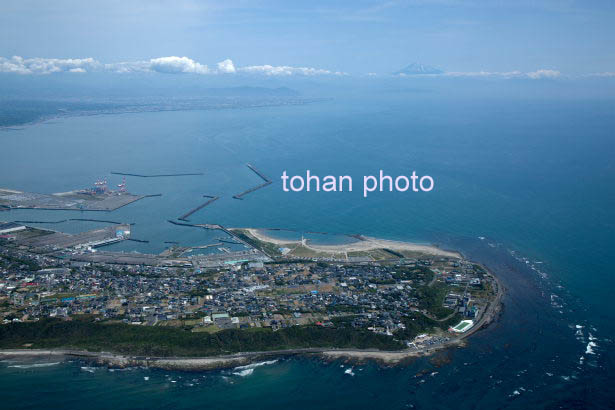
x: 19, y: 120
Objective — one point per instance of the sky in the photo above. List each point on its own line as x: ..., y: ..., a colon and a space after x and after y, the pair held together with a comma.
x: 356, y: 37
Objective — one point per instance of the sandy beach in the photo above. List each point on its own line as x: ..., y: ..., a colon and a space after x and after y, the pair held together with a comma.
x: 366, y: 244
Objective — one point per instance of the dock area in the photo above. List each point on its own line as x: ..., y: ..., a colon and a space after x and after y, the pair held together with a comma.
x: 130, y: 258
x: 70, y: 220
x: 156, y: 175
x: 67, y: 201
x: 44, y: 240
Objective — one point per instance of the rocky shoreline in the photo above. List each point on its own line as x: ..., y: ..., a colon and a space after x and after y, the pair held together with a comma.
x: 387, y: 358
x: 216, y: 362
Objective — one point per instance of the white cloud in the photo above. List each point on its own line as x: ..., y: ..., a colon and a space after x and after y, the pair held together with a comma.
x: 285, y: 70
x: 171, y: 65
x: 226, y: 66
x: 174, y: 65
x: 535, y: 75
x: 181, y: 65
x: 38, y: 65
x: 128, y: 67
x: 166, y: 65
x: 506, y: 74
x: 603, y: 74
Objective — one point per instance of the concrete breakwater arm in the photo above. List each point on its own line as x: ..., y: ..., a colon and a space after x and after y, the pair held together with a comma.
x: 198, y: 208
x: 137, y: 240
x: 257, y: 172
x: 260, y: 174
x: 239, y: 196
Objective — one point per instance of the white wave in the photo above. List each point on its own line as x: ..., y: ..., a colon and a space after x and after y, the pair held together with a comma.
x: 349, y: 371
x: 579, y: 335
x: 88, y: 369
x: 123, y: 369
x: 255, y: 365
x: 591, y: 337
x: 146, y: 378
x: 579, y: 326
x: 34, y: 365
x: 244, y: 373
x: 590, y: 348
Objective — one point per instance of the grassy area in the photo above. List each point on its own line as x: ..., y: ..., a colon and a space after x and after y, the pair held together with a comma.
x: 432, y: 297
x: 412, y: 254
x: 180, y: 322
x: 207, y: 329
x: 267, y: 247
x: 303, y: 252
x: 416, y: 274
x: 417, y: 323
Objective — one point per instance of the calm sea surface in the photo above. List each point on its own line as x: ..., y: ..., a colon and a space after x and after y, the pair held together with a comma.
x: 526, y: 187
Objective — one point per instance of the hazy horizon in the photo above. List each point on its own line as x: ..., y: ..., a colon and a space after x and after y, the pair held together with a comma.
x: 542, y: 39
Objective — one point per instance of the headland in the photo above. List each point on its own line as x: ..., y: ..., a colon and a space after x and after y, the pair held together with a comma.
x: 372, y: 299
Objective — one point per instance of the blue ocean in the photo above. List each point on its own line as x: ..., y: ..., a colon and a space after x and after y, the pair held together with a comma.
x: 525, y: 186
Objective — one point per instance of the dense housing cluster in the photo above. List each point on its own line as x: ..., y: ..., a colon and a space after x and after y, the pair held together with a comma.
x: 402, y: 298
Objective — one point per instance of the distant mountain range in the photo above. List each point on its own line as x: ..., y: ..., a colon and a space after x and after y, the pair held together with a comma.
x: 416, y: 68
